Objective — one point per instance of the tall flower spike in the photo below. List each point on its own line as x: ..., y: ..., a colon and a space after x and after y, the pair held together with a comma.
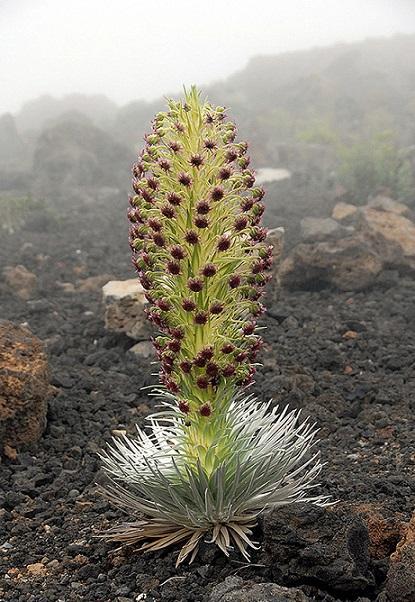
x: 201, y: 255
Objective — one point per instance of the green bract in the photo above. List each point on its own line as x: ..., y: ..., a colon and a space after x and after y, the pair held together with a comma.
x: 214, y: 459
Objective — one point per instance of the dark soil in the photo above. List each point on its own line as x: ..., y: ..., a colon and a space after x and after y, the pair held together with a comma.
x: 358, y: 387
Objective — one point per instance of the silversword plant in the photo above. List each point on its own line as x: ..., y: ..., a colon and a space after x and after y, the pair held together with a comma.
x: 214, y: 457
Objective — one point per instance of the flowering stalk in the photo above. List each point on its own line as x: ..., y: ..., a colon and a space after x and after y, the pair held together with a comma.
x: 202, y: 257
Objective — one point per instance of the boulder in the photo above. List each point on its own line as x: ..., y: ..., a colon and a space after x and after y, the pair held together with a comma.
x: 348, y: 264
x: 93, y: 283
x: 315, y: 229
x: 143, y: 349
x: 385, y: 528
x: 324, y: 547
x: 384, y: 203
x: 276, y: 239
x: 400, y: 582
x: 391, y: 235
x: 22, y: 282
x: 125, y: 304
x: 235, y: 589
x: 343, y: 211
x: 24, y: 385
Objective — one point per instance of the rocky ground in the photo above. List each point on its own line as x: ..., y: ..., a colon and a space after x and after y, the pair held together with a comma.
x: 346, y: 358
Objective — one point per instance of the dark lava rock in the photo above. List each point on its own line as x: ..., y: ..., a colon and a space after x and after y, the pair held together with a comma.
x: 326, y: 547
x: 235, y: 589
x: 347, y: 264
x: 316, y: 229
x: 364, y: 410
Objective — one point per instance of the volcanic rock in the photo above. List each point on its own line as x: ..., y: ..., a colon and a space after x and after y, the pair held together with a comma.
x: 24, y: 385
x: 235, y: 589
x: 315, y: 229
x: 143, y: 349
x: 384, y: 527
x: 400, y: 582
x: 20, y: 280
x: 93, y: 283
x: 391, y: 235
x: 384, y: 203
x: 343, y: 211
x: 124, y: 309
x: 325, y: 547
x: 348, y: 264
x: 37, y: 569
x: 276, y: 239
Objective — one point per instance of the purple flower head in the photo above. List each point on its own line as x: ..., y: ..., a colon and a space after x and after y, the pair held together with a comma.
x: 184, y: 178
x: 195, y: 284
x: 208, y: 270
x: 202, y: 382
x: 177, y: 252
x: 173, y: 267
x: 175, y: 146
x: 201, y: 317
x: 209, y: 144
x: 168, y: 211
x: 224, y: 242
x: 225, y: 173
x: 203, y: 207
x: 196, y: 160
x: 234, y: 281
x: 201, y: 222
x: 216, y: 307
x: 186, y: 366
x: 240, y: 223
x: 164, y: 164
x: 159, y: 239
x: 188, y: 305
x: 205, y: 410
x: 174, y: 198
x: 217, y: 193
x: 184, y: 406
x: 191, y: 237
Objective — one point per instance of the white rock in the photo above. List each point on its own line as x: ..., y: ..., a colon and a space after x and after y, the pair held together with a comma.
x: 124, y: 309
x: 271, y: 174
x: 118, y: 289
x: 143, y: 349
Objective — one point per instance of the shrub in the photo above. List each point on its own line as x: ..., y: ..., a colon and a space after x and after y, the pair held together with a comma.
x: 372, y: 163
x: 15, y: 211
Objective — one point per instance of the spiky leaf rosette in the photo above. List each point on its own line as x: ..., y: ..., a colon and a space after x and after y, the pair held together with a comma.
x: 200, y: 253
x: 266, y: 466
x: 212, y: 460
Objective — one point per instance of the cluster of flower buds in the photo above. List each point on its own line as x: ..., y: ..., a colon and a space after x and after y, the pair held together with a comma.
x: 200, y: 251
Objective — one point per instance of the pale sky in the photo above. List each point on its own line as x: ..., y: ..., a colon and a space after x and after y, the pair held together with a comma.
x: 131, y: 49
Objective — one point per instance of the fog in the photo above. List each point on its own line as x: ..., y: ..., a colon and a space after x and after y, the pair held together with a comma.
x: 128, y: 49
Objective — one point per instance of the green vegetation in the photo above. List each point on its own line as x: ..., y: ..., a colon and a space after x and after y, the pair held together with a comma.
x: 369, y: 165
x: 14, y: 212
x: 368, y: 160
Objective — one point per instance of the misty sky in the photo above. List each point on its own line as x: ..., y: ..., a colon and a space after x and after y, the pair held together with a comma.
x: 129, y: 49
